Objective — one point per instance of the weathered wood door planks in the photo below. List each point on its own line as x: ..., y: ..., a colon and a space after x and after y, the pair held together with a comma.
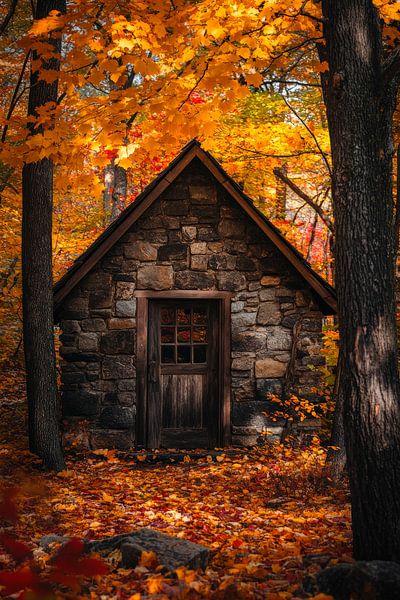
x: 183, y: 395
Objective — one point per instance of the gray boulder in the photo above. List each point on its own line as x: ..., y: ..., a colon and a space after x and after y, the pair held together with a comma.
x: 171, y: 552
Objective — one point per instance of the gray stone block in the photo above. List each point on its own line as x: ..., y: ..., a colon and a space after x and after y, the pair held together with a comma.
x: 118, y: 367
x: 97, y: 280
x: 249, y: 414
x: 93, y: 325
x: 118, y: 341
x: 68, y: 339
x: 71, y: 355
x: 80, y: 403
x: 88, y: 342
x: 155, y: 277
x: 207, y: 234
x: 231, y: 281
x: 125, y: 308
x: 269, y: 314
x: 176, y: 208
x: 70, y: 326
x: 75, y: 377
x: 243, y: 320
x: 120, y: 439
x: 203, y: 194
x: 230, y: 228
x: 140, y: 250
x: 279, y: 338
x: 244, y: 263
x: 244, y: 363
x: 248, y: 341
x: 101, y: 298
x: 194, y: 280
x: 266, y: 387
x: 173, y: 252
x: 117, y: 417
x: 124, y: 290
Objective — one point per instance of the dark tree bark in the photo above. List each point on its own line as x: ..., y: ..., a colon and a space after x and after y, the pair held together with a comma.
x: 336, y: 456
x: 115, y: 191
x: 37, y: 280
x: 360, y: 97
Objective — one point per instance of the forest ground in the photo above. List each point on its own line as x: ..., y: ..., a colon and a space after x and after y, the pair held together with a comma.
x: 269, y: 516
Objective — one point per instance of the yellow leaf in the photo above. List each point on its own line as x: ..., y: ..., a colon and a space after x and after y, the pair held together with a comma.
x: 244, y: 52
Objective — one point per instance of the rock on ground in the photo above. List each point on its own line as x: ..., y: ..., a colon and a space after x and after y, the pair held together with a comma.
x: 171, y: 552
x: 363, y: 580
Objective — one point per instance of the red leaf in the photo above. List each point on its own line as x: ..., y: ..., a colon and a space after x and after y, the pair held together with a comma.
x: 89, y: 567
x: 69, y: 554
x: 20, y: 579
x: 18, y: 550
x: 8, y: 507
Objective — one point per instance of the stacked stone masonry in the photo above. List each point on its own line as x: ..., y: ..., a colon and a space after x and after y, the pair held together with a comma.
x: 194, y: 237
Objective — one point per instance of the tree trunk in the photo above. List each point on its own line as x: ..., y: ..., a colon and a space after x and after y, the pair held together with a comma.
x: 336, y: 456
x: 37, y: 281
x: 115, y: 191
x: 360, y: 105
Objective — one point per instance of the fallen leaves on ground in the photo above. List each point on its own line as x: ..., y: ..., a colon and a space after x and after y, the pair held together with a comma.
x: 269, y: 516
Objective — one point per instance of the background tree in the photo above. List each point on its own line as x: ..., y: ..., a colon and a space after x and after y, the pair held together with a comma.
x: 37, y: 210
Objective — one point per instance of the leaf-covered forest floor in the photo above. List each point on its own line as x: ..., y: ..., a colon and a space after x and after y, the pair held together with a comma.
x: 269, y: 516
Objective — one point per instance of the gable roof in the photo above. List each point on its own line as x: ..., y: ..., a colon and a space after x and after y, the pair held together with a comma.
x: 87, y: 260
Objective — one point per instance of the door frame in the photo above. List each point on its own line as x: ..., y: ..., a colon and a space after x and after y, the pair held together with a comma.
x: 142, y: 312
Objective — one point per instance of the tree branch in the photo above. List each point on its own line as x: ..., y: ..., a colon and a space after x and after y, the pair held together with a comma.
x: 314, y: 137
x: 291, y: 82
x: 8, y: 17
x: 16, y: 96
x: 295, y: 188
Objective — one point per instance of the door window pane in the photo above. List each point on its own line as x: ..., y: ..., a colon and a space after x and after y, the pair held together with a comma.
x: 168, y: 354
x: 184, y: 335
x: 183, y: 354
x: 199, y: 334
x: 199, y: 315
x: 167, y: 335
x: 183, y: 315
x: 167, y: 316
x: 199, y: 354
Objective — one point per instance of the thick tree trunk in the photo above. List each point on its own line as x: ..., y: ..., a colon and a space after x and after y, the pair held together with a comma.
x: 360, y: 104
x: 37, y: 281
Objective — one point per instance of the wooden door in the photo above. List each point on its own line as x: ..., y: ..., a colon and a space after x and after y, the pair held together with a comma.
x: 183, y: 374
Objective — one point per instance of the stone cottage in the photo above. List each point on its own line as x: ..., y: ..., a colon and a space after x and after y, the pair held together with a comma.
x: 184, y: 315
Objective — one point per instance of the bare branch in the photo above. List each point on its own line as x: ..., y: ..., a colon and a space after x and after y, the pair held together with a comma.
x: 16, y: 96
x: 195, y: 86
x: 295, y: 188
x: 271, y: 155
x: 314, y: 137
x: 8, y: 17
x: 291, y: 82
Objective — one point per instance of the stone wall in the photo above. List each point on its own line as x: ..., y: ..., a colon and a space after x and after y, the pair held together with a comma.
x: 193, y: 237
